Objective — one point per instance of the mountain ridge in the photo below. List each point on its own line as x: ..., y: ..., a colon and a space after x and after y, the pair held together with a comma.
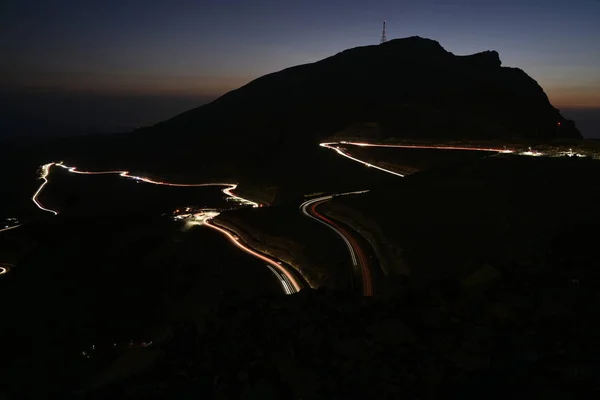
x: 471, y: 95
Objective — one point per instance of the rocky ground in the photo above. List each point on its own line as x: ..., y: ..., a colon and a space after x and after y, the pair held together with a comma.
x: 500, y: 302
x: 484, y: 337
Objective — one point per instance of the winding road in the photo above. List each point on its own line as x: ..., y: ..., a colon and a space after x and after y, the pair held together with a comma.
x: 357, y: 256
x: 359, y: 261
x: 46, y: 168
x: 289, y: 283
x: 335, y: 146
x: 287, y: 279
x: 420, y: 146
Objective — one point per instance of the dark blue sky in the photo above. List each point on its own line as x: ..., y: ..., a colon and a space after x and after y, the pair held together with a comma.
x: 209, y: 46
x: 206, y: 47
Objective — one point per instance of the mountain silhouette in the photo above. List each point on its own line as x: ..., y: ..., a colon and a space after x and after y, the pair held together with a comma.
x: 412, y: 87
x: 406, y: 88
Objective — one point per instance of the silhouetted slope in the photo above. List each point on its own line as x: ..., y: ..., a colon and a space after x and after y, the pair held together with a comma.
x: 412, y: 86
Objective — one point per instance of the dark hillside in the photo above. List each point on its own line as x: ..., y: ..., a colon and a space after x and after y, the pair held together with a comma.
x: 411, y: 87
x: 472, y: 96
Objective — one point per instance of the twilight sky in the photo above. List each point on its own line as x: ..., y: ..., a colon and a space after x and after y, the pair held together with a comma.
x: 207, y: 47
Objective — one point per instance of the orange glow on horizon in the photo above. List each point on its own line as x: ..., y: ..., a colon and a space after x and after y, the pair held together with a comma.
x: 131, y: 85
x: 575, y: 97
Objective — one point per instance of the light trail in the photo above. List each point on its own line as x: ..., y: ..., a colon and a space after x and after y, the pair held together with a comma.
x: 44, y: 177
x: 309, y: 207
x: 303, y: 208
x: 417, y: 146
x: 46, y: 168
x: 242, y: 200
x: 9, y: 228
x: 288, y: 284
x: 342, y: 153
x: 286, y: 287
x: 294, y: 285
x: 204, y: 216
x: 359, y: 261
x: 4, y: 268
x: 334, y: 146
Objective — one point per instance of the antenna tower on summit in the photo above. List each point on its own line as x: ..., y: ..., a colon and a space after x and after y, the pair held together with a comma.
x: 383, y: 37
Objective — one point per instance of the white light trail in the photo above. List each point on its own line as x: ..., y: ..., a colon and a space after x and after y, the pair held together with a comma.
x: 242, y: 200
x: 286, y: 288
x: 125, y: 174
x: 44, y: 177
x: 4, y: 268
x: 352, y: 249
x: 303, y: 207
x: 295, y: 286
x: 288, y: 284
x: 340, y: 152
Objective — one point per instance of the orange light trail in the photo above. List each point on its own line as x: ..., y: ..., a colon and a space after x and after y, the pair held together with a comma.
x: 235, y: 240
x: 9, y: 228
x: 125, y: 174
x: 334, y: 146
x: 415, y: 146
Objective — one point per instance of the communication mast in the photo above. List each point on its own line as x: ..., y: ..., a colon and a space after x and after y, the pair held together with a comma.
x: 383, y: 37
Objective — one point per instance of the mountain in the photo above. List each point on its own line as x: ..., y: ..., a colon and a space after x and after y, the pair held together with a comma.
x: 409, y: 88
x: 412, y: 87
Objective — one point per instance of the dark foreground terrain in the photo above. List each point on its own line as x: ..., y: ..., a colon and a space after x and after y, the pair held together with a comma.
x: 441, y: 342
x: 110, y: 273
x: 490, y: 286
x: 500, y: 301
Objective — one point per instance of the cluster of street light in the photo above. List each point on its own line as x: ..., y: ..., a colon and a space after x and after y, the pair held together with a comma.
x: 530, y: 152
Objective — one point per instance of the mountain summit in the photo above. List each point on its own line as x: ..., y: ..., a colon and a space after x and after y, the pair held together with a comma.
x: 411, y: 87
